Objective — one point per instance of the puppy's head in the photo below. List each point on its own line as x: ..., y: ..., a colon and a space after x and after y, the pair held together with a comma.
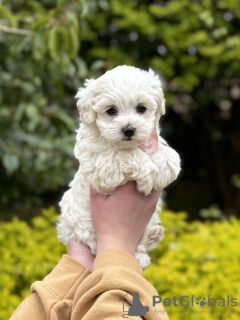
x: 125, y: 104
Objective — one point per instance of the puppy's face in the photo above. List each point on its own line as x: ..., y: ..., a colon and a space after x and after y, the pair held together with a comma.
x: 125, y: 118
x: 125, y: 104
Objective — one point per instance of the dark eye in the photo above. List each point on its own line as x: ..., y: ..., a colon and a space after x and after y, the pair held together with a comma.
x: 112, y: 111
x: 141, y: 109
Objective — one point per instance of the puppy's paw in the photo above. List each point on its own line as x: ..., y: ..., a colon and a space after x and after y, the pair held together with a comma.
x: 168, y: 163
x: 164, y: 177
x: 145, y: 186
x: 153, y: 236
x: 106, y: 181
x: 145, y: 179
x: 143, y: 259
x: 162, y: 180
x: 150, y: 239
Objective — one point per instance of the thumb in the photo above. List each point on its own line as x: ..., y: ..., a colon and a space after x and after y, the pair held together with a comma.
x: 154, y: 141
x: 93, y: 192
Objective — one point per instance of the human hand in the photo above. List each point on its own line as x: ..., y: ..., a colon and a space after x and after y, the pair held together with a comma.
x: 81, y: 253
x: 151, y: 146
x: 121, y: 218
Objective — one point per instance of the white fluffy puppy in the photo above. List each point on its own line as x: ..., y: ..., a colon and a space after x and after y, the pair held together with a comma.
x: 118, y: 111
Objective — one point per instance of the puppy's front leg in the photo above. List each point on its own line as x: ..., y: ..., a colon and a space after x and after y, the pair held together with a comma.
x: 168, y: 162
x: 107, y: 173
x: 139, y: 167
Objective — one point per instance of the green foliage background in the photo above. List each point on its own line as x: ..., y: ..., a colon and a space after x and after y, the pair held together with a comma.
x: 28, y: 253
x: 47, y: 49
x: 198, y: 259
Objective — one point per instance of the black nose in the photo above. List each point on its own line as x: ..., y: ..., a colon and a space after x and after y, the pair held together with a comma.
x: 128, y: 131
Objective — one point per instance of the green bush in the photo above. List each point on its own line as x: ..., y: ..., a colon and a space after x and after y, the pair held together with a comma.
x: 28, y: 253
x: 198, y: 258
x: 47, y: 50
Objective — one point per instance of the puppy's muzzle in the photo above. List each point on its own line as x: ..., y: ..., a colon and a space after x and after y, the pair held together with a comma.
x: 128, y: 132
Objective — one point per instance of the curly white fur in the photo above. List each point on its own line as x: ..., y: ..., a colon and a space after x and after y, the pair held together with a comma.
x: 108, y: 158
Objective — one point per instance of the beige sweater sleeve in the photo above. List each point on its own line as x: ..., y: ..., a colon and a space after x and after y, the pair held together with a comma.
x: 72, y: 292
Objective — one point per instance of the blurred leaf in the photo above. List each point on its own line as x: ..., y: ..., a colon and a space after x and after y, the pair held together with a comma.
x: 98, y: 64
x: 236, y: 180
x: 10, y: 162
x: 212, y: 212
x: 5, y: 13
x: 23, y: 136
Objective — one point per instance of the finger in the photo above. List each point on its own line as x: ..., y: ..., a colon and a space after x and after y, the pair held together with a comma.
x: 130, y: 186
x: 154, y: 135
x: 72, y: 242
x: 154, y: 141
x: 93, y: 192
x: 156, y: 194
x: 141, y: 147
x: 94, y: 195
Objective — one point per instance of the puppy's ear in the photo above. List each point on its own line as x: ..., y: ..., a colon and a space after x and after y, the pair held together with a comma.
x: 158, y: 95
x: 85, y: 102
x: 161, y: 106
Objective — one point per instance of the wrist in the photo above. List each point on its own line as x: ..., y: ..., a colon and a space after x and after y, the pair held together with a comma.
x: 107, y: 244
